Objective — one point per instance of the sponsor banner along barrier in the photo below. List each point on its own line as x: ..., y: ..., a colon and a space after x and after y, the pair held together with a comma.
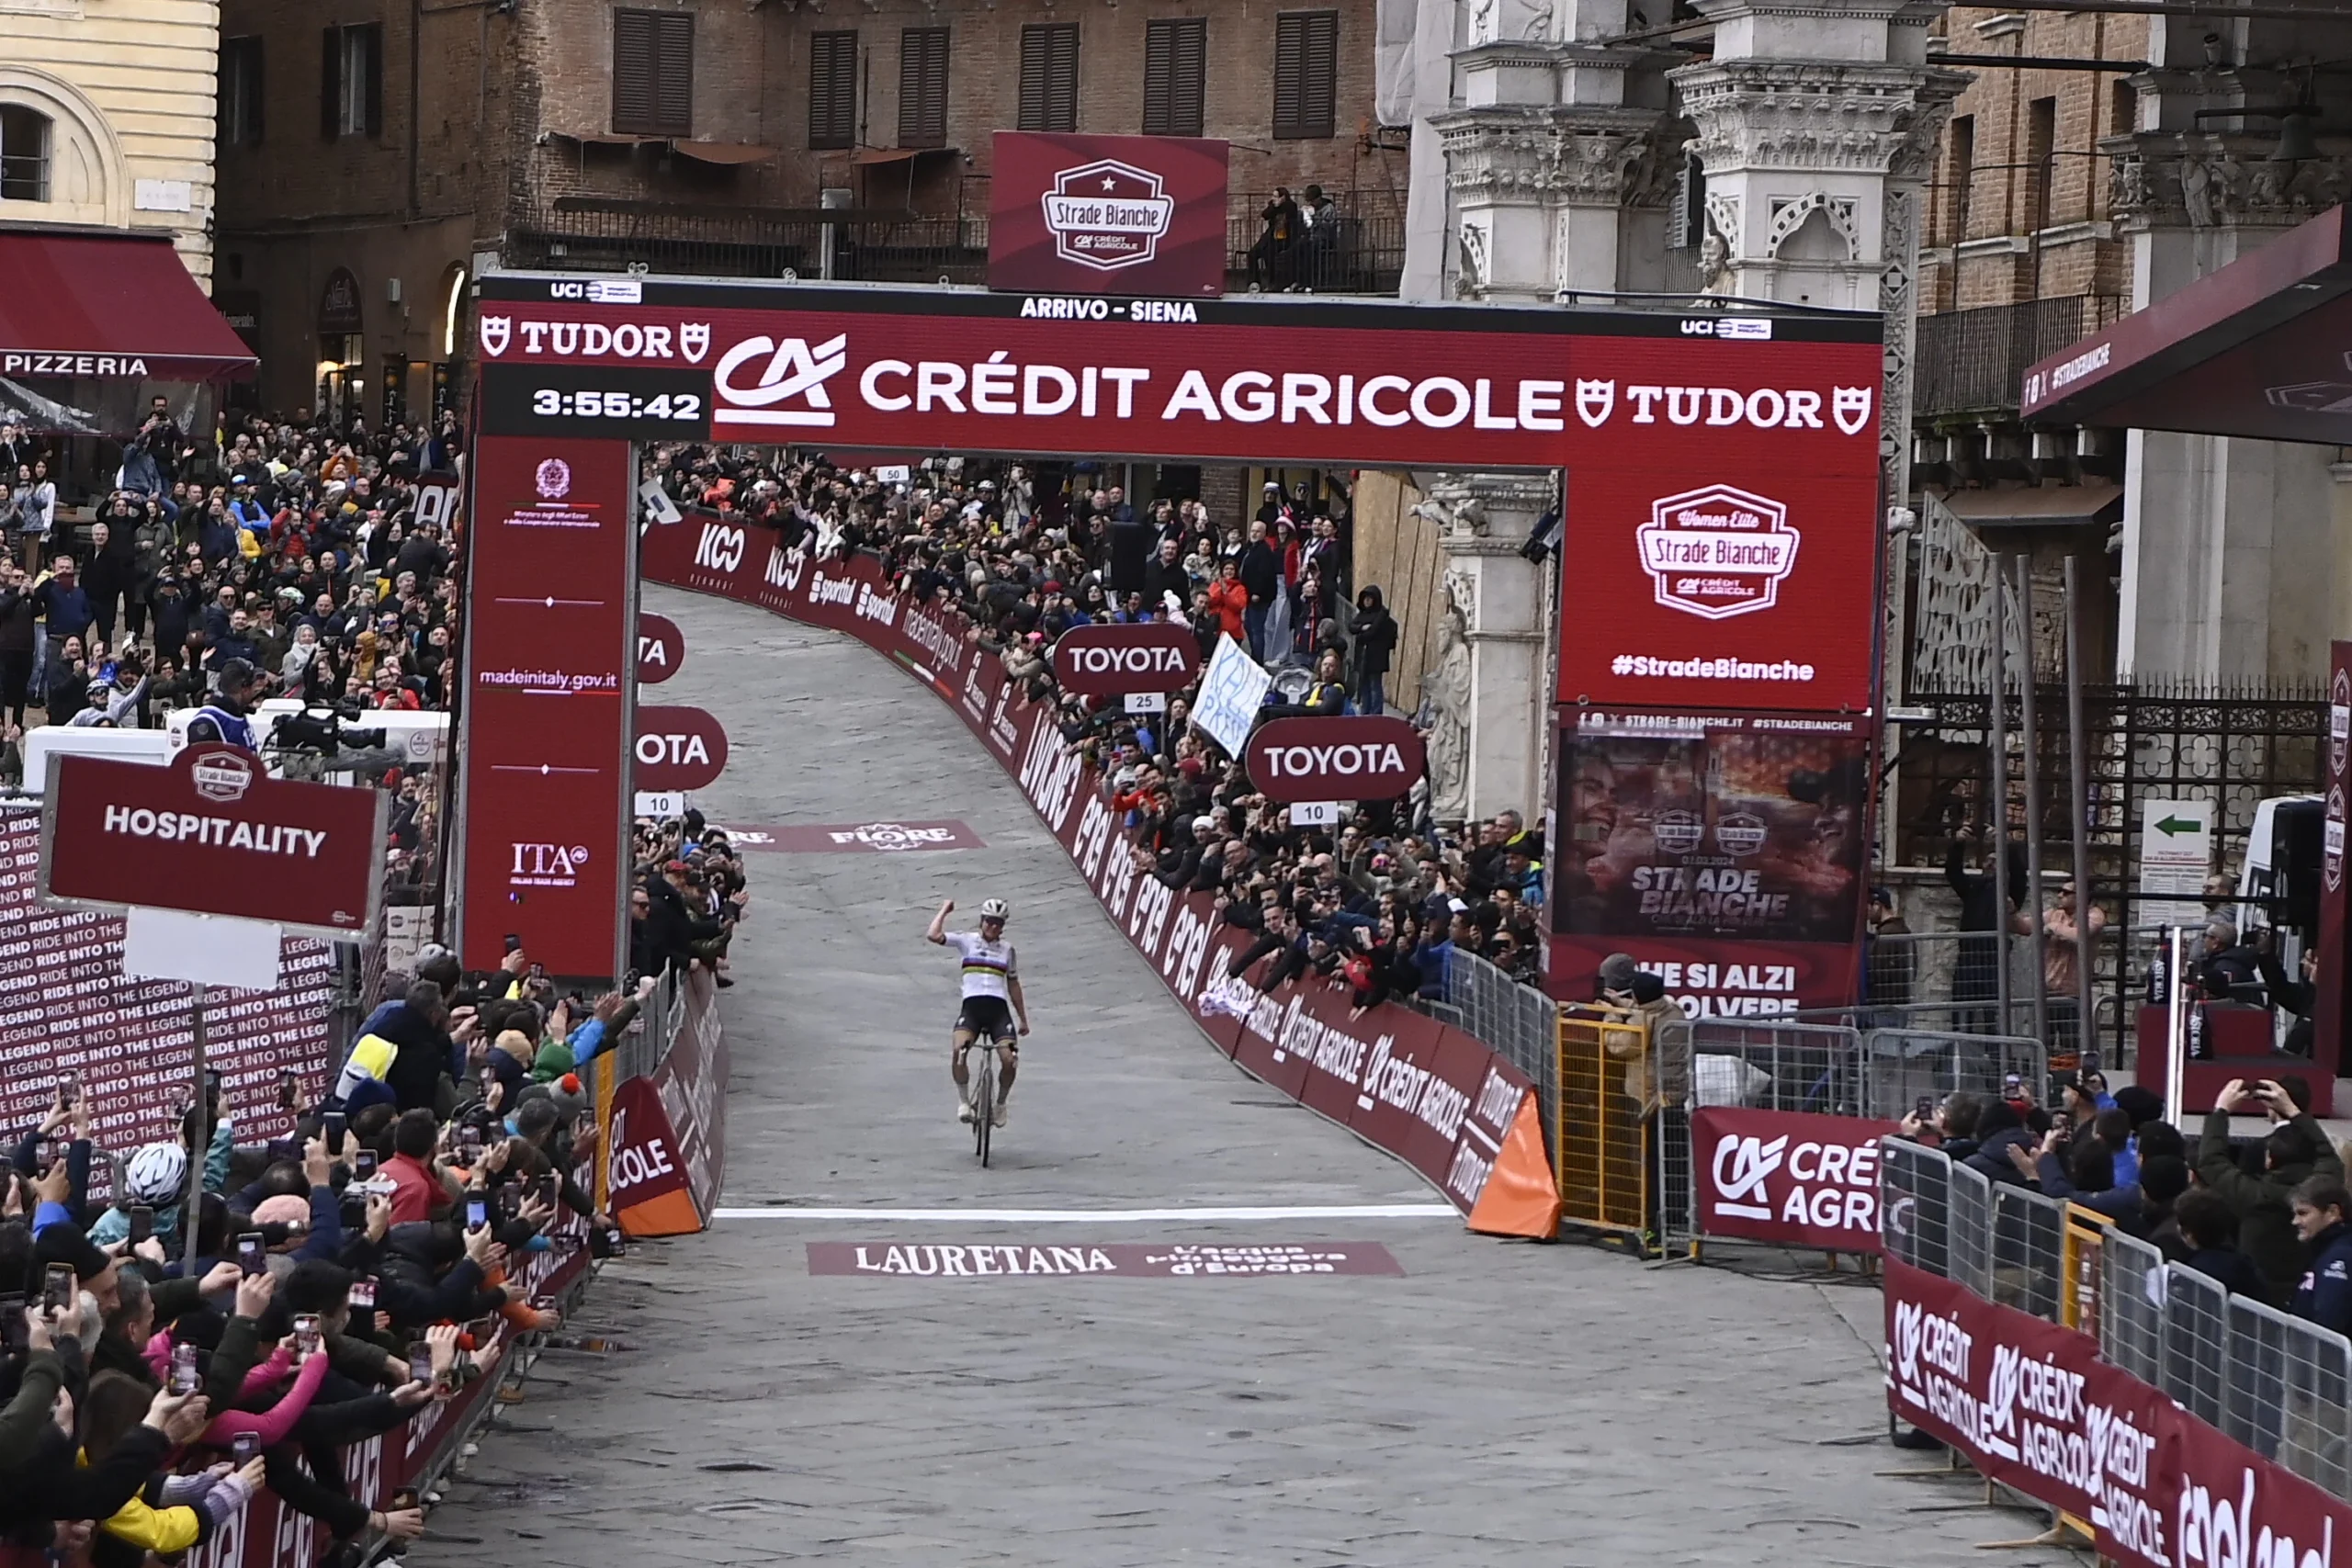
x: 66, y: 1008
x: 1436, y: 1097
x: 857, y: 838
x: 2031, y: 1404
x: 692, y: 1082
x: 1788, y: 1177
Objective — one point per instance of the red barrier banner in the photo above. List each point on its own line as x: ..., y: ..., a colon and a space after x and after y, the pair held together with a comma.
x: 65, y: 1008
x: 692, y: 1082
x: 645, y: 1172
x: 2032, y: 1406
x: 1440, y: 1099
x: 1788, y: 1177
x: 550, y: 649
x: 1071, y: 214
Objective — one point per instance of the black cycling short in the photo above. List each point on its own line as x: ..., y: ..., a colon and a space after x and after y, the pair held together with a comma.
x: 988, y: 1018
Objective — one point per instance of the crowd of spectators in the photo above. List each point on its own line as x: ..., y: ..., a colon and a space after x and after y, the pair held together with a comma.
x: 158, y: 1374
x: 2266, y: 1218
x: 1375, y: 904
x: 297, y: 550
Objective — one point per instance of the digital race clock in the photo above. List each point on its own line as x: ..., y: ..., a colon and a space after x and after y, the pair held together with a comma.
x: 642, y: 403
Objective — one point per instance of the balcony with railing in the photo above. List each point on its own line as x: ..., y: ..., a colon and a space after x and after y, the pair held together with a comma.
x: 584, y: 234
x: 1970, y: 363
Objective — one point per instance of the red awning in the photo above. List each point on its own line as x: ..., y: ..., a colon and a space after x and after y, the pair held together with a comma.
x: 723, y: 152
x: 108, y: 306
x: 2256, y: 349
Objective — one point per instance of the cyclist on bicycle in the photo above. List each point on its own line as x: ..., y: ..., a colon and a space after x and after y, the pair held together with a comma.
x: 993, y: 1001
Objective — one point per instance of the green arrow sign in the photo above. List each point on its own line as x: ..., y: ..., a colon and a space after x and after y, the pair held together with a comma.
x: 2171, y: 826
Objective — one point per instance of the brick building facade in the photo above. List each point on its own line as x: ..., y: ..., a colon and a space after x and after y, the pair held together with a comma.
x: 713, y: 137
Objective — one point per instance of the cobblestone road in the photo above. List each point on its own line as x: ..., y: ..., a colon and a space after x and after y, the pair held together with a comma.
x: 1498, y: 1404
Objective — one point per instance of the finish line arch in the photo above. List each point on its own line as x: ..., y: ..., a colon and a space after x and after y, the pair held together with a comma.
x: 1723, y: 485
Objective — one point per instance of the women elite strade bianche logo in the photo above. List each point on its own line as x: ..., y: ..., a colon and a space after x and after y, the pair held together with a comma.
x: 1717, y: 552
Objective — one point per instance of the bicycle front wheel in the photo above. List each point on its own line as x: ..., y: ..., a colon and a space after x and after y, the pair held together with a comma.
x: 983, y: 1109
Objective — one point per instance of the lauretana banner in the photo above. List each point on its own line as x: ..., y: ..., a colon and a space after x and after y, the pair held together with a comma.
x: 1434, y: 1097
x: 2032, y: 1406
x: 1786, y: 1176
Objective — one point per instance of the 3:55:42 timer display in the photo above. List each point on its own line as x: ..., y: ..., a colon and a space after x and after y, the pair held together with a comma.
x: 687, y: 408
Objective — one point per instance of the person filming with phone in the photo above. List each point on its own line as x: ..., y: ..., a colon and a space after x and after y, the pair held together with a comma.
x: 2295, y: 1150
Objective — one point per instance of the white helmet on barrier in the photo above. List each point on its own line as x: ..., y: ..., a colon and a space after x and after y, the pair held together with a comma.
x: 993, y: 909
x: 156, y: 1174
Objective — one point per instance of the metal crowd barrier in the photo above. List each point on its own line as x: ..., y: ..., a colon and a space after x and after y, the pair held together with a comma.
x: 1602, y: 1145
x: 1517, y: 1021
x: 2277, y: 1383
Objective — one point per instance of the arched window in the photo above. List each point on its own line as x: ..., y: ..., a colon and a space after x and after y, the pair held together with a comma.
x: 23, y: 153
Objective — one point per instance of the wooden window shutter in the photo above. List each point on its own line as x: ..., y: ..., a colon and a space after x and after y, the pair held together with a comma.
x: 673, y: 72
x: 330, y: 83
x: 833, y: 89
x: 633, y: 51
x: 1049, y: 77
x: 1306, y: 73
x: 371, y: 48
x: 922, y: 87
x: 1175, y: 75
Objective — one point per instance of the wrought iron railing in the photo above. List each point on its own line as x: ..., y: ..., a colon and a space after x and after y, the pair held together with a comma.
x: 1972, y: 361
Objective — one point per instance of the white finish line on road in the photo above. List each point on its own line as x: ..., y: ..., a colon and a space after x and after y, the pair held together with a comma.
x: 1106, y: 1216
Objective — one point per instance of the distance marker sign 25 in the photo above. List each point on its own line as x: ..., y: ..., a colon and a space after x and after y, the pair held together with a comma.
x: 639, y: 402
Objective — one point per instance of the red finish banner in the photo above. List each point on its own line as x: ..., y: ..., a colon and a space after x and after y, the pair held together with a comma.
x: 1074, y: 214
x: 1746, y: 579
x: 2031, y: 1404
x: 1786, y: 1176
x: 549, y: 650
x: 211, y: 831
x: 1436, y: 1097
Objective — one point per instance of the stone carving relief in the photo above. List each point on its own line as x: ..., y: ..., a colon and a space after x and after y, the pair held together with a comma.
x: 1455, y: 505
x: 1446, y: 689
x: 1791, y: 115
x: 2209, y: 183
x: 1952, y: 644
x: 1470, y: 280
x: 1720, y: 243
x: 1533, y: 155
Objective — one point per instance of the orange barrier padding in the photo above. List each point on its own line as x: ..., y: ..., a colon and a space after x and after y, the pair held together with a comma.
x: 1520, y: 1198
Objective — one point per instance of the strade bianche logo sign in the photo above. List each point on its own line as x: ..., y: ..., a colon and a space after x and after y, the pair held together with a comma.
x: 1717, y: 552
x: 1107, y: 215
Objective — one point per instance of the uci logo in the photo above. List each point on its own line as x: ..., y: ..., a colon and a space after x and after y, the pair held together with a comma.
x: 789, y: 369
x: 1741, y: 1169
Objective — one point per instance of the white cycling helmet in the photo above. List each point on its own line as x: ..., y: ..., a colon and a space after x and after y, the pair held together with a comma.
x: 993, y: 909
x: 156, y: 1174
